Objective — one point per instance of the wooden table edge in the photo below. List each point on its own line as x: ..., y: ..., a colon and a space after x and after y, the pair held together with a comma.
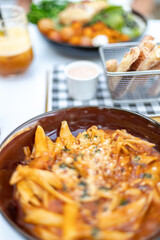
x: 156, y: 119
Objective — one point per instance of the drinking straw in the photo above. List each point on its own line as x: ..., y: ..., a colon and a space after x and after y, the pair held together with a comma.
x: 3, y: 30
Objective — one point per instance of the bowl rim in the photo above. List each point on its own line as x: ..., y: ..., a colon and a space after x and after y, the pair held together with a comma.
x: 49, y: 113
x: 14, y: 226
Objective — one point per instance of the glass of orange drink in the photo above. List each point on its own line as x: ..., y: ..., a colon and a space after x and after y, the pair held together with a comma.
x: 15, y: 45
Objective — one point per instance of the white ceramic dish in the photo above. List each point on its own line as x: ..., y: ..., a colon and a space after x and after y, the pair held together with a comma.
x: 82, y: 79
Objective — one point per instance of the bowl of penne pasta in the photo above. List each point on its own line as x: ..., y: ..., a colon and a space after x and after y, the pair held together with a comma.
x: 82, y: 173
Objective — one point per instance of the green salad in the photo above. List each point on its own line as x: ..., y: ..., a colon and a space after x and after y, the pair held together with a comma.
x: 118, y: 19
x: 46, y: 9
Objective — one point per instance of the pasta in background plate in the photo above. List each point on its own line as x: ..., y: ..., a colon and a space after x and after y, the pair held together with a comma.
x: 101, y: 184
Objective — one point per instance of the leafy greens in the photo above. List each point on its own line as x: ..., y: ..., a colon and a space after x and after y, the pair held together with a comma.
x: 118, y: 19
x: 46, y: 9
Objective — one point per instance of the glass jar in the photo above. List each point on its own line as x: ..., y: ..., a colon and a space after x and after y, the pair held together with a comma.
x: 15, y: 46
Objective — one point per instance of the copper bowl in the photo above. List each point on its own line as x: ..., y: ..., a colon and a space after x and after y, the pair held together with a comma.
x: 79, y: 118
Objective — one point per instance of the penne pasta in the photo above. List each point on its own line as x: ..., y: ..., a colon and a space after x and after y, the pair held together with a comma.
x: 101, y: 184
x: 43, y: 217
x: 66, y: 136
x: 69, y: 222
x: 40, y: 142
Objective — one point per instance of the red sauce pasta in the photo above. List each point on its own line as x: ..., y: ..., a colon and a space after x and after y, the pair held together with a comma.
x: 101, y: 184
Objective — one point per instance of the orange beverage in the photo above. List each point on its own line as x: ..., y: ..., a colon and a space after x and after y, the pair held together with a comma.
x: 15, y: 46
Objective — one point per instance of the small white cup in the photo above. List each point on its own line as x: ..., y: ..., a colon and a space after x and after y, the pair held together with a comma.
x: 82, y: 85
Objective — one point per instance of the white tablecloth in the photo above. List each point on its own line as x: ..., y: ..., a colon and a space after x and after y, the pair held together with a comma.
x: 23, y: 97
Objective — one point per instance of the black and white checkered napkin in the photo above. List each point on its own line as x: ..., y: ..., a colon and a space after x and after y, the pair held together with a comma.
x: 58, y: 96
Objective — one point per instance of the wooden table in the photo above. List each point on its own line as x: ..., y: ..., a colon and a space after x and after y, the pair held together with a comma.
x: 156, y: 119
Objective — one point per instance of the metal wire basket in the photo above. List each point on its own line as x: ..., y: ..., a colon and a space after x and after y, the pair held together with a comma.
x: 135, y: 85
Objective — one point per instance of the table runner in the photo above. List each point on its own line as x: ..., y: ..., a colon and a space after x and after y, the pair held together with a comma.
x: 58, y: 97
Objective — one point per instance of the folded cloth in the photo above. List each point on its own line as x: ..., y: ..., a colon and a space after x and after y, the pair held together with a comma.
x: 58, y: 96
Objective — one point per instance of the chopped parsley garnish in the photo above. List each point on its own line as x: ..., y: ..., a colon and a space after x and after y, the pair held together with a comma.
x: 146, y: 175
x: 63, y: 165
x: 97, y: 150
x: 105, y: 188
x: 79, y: 155
x: 65, y: 150
x: 82, y: 183
x: 85, y: 193
x: 137, y: 158
x: 95, y: 232
x: 49, y: 167
x: 86, y: 136
x: 64, y: 187
x: 71, y: 167
x: 123, y: 202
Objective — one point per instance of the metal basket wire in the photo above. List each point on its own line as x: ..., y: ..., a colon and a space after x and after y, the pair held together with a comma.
x: 135, y: 85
